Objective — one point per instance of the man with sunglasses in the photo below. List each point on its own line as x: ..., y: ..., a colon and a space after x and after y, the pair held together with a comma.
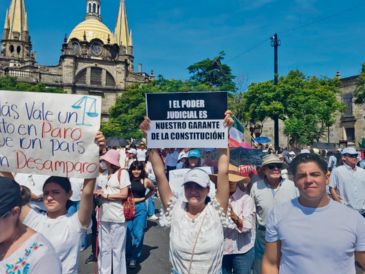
x: 347, y: 182
x: 273, y: 189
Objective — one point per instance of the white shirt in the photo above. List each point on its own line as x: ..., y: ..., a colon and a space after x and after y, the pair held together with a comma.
x: 64, y: 233
x: 350, y: 184
x: 35, y: 256
x: 113, y: 211
x: 141, y: 154
x: 238, y: 241
x: 76, y: 185
x: 184, y: 231
x: 316, y: 240
x: 266, y: 197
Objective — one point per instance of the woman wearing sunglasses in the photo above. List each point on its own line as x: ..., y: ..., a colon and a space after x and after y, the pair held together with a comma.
x: 272, y: 189
x: 22, y: 250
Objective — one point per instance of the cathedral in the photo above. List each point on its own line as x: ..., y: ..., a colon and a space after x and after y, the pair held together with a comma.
x: 93, y: 61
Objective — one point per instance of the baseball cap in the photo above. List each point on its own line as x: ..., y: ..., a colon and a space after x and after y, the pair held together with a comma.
x: 350, y: 151
x: 198, y: 176
x: 182, y: 155
x: 9, y: 195
x: 194, y: 153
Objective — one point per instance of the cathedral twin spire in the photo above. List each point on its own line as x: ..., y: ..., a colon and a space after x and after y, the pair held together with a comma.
x: 122, y: 35
x: 16, y: 22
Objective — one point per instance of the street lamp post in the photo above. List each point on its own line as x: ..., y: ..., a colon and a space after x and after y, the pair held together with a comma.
x: 275, y: 42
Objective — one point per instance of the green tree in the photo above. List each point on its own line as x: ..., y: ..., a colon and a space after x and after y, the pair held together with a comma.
x: 130, y: 108
x: 214, y: 73
x: 306, y: 104
x: 11, y: 83
x: 360, y: 87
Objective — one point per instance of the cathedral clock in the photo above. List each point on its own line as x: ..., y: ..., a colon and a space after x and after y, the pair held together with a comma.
x: 96, y: 48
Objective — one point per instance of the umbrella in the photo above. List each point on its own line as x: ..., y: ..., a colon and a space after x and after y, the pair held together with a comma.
x: 246, y: 156
x: 262, y: 140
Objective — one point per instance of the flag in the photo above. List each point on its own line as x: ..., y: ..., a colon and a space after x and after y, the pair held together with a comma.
x: 236, y: 133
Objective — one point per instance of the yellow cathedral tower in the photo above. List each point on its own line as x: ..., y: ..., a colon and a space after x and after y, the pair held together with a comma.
x: 94, y: 60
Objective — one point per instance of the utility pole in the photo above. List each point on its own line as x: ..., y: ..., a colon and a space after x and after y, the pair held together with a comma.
x: 275, y: 42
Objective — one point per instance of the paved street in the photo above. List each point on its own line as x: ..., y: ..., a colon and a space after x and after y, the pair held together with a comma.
x: 155, y: 258
x: 154, y: 254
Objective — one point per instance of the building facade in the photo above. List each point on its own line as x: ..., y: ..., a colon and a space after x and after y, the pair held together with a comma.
x: 93, y: 61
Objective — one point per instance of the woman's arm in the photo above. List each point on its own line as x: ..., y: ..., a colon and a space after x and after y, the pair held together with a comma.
x: 162, y: 183
x: 159, y: 169
x: 151, y: 187
x: 222, y: 195
x: 86, y: 202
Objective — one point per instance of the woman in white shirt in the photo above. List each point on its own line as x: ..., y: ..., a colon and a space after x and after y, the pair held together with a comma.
x: 62, y: 230
x: 196, y: 235
x: 239, y: 240
x: 112, y: 227
x: 22, y: 250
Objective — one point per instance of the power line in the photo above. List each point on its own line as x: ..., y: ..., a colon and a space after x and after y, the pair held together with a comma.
x: 321, y: 19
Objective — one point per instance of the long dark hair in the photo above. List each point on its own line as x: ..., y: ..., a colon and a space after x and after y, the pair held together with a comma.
x: 137, y: 165
x: 63, y: 182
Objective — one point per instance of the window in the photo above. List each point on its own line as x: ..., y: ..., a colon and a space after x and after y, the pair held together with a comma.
x: 11, y: 48
x: 350, y: 133
x: 94, y: 8
x: 109, y: 80
x: 81, y: 77
x: 18, y: 49
x: 347, y: 100
x: 95, y: 78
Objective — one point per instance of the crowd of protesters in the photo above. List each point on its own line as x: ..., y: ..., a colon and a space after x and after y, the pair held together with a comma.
x: 298, y: 212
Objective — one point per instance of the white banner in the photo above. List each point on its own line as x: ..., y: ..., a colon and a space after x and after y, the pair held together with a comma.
x: 52, y: 134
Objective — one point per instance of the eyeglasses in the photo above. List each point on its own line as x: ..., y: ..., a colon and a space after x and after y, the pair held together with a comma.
x: 351, y: 155
x: 274, y: 166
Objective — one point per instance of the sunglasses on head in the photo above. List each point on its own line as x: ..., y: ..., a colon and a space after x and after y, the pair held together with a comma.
x: 274, y: 166
x: 351, y: 155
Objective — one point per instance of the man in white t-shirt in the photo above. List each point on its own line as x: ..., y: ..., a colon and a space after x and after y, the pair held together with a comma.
x: 273, y: 189
x: 312, y: 233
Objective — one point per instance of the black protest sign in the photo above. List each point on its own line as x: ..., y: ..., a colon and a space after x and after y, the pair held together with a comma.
x: 189, y: 119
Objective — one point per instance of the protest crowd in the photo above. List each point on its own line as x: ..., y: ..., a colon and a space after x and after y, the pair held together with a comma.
x: 297, y: 212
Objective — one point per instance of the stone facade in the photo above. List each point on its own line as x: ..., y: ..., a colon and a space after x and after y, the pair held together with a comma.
x: 94, y: 60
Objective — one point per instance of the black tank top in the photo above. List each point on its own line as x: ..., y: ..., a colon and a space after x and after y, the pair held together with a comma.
x: 138, y: 189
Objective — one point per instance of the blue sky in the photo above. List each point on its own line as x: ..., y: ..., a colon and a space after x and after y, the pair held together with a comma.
x: 318, y: 37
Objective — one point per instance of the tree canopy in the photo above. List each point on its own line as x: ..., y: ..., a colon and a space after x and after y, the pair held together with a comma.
x: 214, y: 73
x: 130, y: 108
x: 306, y: 104
x: 360, y: 87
